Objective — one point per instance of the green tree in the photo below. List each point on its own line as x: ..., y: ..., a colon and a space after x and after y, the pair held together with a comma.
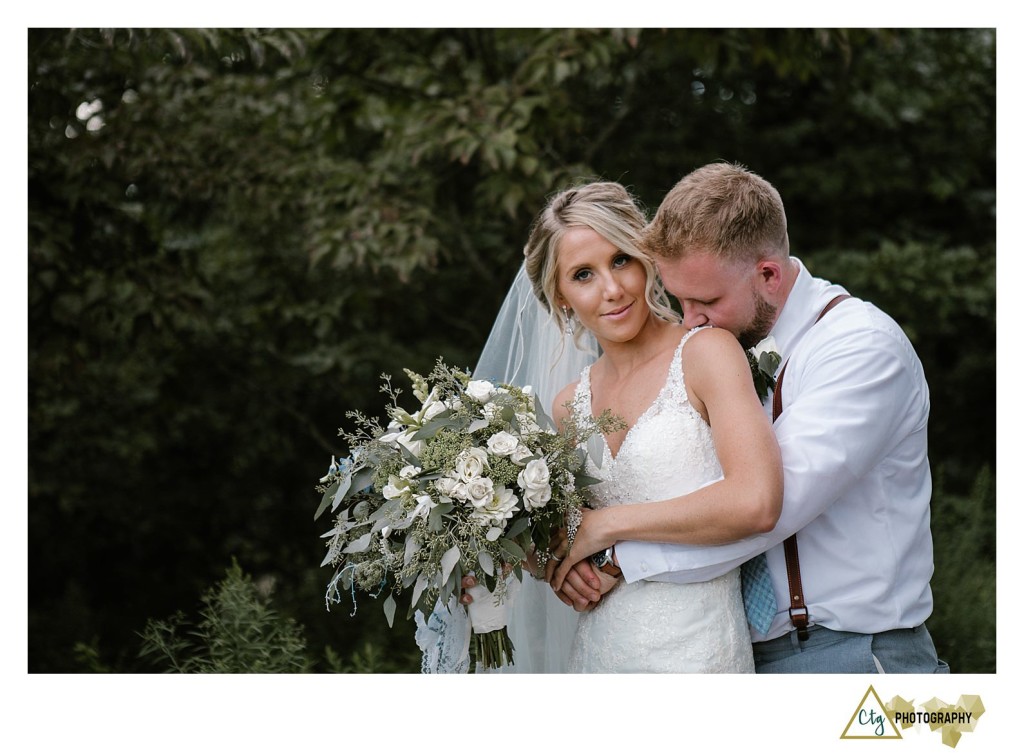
x: 232, y: 233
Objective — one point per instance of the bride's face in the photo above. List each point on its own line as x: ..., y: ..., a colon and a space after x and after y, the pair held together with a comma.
x: 605, y: 286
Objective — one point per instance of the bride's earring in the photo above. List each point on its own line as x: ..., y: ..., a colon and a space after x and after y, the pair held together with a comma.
x: 569, y: 329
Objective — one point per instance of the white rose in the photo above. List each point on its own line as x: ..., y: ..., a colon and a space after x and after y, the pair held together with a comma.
x: 446, y: 486
x: 499, y: 507
x: 536, y: 498
x: 767, y: 345
x: 479, y: 491
x: 502, y: 444
x: 535, y: 481
x: 535, y: 475
x: 480, y: 390
x: 409, y: 471
x: 521, y: 453
x: 471, y: 463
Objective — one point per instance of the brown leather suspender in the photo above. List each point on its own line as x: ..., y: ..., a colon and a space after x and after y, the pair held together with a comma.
x: 797, y: 604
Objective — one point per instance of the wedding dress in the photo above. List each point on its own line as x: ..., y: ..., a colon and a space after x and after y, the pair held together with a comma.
x: 648, y: 626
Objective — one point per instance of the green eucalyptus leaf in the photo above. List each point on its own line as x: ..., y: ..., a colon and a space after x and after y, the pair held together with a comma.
x: 326, y: 501
x: 359, y: 481
x: 486, y: 562
x: 513, y: 548
x: 517, y: 527
x: 448, y: 561
x: 359, y: 545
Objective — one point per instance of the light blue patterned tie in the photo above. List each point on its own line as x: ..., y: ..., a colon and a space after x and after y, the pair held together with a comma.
x: 758, y: 594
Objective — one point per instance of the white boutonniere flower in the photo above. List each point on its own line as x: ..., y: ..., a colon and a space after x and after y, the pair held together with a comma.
x: 764, y: 361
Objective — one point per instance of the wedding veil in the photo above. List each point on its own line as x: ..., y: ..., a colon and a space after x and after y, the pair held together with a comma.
x: 525, y: 347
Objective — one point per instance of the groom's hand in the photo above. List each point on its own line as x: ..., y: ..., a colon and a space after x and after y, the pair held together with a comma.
x: 584, y: 586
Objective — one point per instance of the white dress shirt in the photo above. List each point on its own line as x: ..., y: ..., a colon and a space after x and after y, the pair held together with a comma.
x: 854, y: 439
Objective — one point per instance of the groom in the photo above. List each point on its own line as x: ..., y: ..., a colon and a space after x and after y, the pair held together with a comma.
x: 853, y: 434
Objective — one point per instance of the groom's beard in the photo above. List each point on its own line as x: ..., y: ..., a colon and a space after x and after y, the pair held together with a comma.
x: 760, y: 325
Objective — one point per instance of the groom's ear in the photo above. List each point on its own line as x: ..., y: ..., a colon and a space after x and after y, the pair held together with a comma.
x: 769, y: 272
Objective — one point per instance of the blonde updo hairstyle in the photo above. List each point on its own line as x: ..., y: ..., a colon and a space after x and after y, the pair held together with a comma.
x: 610, y: 211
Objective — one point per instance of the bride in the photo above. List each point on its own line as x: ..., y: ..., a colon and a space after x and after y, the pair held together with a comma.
x: 593, y: 288
x: 693, y: 419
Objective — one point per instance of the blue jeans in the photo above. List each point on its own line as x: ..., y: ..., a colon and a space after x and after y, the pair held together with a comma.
x: 908, y: 651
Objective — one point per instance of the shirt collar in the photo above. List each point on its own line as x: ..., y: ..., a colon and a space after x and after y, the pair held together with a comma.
x: 807, y: 298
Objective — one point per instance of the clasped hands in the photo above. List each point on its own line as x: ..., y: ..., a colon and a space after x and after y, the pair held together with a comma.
x: 575, y: 581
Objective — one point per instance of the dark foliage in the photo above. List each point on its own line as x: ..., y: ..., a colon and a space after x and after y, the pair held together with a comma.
x: 232, y: 233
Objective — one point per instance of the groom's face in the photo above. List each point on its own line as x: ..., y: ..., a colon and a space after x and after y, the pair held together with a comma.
x: 725, y: 294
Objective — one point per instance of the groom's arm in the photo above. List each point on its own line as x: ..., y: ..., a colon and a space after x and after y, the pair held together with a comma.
x: 858, y: 393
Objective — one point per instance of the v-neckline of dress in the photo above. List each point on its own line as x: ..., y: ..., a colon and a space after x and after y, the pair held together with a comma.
x: 608, y: 455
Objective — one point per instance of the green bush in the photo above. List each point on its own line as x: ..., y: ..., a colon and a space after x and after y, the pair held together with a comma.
x: 238, y: 633
x: 963, y: 623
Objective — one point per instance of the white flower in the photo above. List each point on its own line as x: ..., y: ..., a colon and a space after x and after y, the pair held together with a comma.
x: 479, y: 491
x: 400, y: 431
x: 535, y: 481
x: 498, y: 507
x: 415, y: 446
x: 396, y: 487
x: 502, y: 444
x: 395, y: 430
x: 424, y: 504
x: 471, y: 463
x: 767, y: 345
x: 536, y: 498
x: 432, y: 409
x: 480, y: 390
x: 432, y: 405
x: 521, y: 453
x: 535, y: 475
x: 409, y: 471
x: 446, y: 485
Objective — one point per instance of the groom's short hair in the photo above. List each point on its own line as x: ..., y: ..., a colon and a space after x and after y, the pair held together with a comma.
x: 722, y: 209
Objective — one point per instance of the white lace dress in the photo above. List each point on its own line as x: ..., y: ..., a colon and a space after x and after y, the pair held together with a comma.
x: 648, y: 626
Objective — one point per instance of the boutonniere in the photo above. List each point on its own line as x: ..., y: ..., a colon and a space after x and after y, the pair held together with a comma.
x: 764, y: 359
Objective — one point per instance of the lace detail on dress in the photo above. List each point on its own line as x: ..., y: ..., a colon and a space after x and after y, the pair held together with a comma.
x: 648, y: 626
x: 667, y: 449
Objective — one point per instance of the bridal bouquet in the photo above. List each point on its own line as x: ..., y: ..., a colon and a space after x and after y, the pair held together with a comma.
x: 475, y: 479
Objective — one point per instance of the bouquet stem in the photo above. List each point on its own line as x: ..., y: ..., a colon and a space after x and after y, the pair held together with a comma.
x: 490, y: 650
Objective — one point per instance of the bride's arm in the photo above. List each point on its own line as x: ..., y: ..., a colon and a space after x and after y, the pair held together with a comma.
x: 745, y: 502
